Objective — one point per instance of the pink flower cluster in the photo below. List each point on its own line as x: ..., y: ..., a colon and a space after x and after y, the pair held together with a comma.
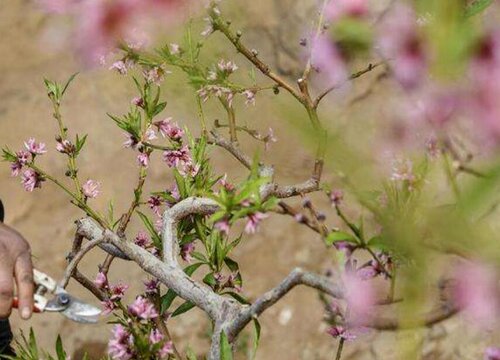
x: 121, y: 344
x: 30, y: 178
x: 169, y: 130
x: 143, y: 309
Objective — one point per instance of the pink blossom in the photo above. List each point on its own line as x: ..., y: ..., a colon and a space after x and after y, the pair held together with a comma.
x: 226, y: 184
x: 138, y: 101
x: 492, y: 353
x: 154, y: 203
x: 35, y: 148
x: 101, y: 281
x: 15, y: 168
x: 350, y: 8
x: 91, y: 189
x: 142, y: 239
x: 150, y: 134
x: 222, y: 226
x: 143, y: 159
x: 22, y: 158
x: 152, y: 286
x: 227, y: 67
x: 167, y: 349
x: 336, y: 197
x: 186, y: 251
x: 108, y: 306
x: 360, y: 297
x: 119, y: 347
x: 477, y: 292
x: 175, y: 157
x: 400, y: 41
x: 167, y: 129
x: 174, y: 132
x: 368, y: 271
x: 175, y: 49
x: 250, y: 97
x: 118, y: 291
x: 253, y: 221
x: 121, y: 66
x: 65, y: 146
x: 270, y: 138
x: 189, y: 169
x: 345, y: 246
x: 327, y: 60
x: 31, y: 180
x: 155, y: 75
x: 131, y: 141
x: 339, y: 331
x: 155, y: 336
x: 101, y: 25
x: 143, y: 309
x: 402, y: 170
x: 485, y: 74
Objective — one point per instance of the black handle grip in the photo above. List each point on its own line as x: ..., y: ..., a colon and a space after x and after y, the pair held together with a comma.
x: 2, y: 212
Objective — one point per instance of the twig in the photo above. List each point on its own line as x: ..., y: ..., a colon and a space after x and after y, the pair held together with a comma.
x: 353, y: 76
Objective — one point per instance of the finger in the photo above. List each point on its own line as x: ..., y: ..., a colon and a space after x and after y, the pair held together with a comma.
x: 6, y: 288
x: 24, y: 282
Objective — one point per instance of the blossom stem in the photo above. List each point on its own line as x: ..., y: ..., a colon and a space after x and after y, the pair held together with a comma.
x: 221, y: 25
x: 339, y: 349
x: 77, y: 200
x: 73, y: 171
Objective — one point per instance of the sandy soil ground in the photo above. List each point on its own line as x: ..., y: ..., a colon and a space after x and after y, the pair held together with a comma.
x: 291, y: 330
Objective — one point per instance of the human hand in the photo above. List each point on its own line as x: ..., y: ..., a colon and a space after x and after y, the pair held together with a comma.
x: 15, y: 266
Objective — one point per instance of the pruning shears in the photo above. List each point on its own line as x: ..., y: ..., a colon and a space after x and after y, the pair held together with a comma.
x: 61, y: 302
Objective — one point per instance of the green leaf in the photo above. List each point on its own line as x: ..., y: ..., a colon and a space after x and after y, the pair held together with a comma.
x: 209, y: 279
x: 256, y: 338
x: 61, y: 354
x: 32, y: 343
x: 70, y: 80
x: 151, y: 229
x: 185, y: 307
x: 337, y: 236
x: 190, y: 355
x: 477, y: 7
x: 231, y: 264
x: 226, y: 353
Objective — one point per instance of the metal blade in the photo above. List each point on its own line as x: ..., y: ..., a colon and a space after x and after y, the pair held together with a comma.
x: 73, y: 308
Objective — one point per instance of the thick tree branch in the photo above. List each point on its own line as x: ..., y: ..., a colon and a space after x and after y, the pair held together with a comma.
x: 170, y: 275
x: 68, y: 273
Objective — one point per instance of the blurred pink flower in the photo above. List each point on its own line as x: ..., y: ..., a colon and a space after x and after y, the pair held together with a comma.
x: 492, y: 353
x: 222, y: 226
x: 186, y: 251
x: 339, y: 331
x: 173, y: 158
x: 65, y: 147
x: 253, y: 221
x: 346, y: 8
x: 35, y: 148
x: 22, y: 158
x: 485, y: 74
x: 91, y: 189
x: 399, y: 41
x: 142, y: 239
x: 31, y: 180
x: 167, y: 349
x: 269, y: 138
x: 143, y: 160
x: 336, y: 196
x: 155, y: 336
x: 249, y: 97
x: 143, y: 308
x: 119, y: 346
x: 477, y: 293
x: 118, y: 291
x: 101, y: 281
x: 152, y: 286
x: 154, y: 203
x: 360, y: 298
x: 328, y: 61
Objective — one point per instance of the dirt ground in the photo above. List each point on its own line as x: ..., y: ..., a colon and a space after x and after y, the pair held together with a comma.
x: 291, y: 330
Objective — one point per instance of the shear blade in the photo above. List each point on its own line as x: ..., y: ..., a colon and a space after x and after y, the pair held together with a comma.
x: 82, y: 312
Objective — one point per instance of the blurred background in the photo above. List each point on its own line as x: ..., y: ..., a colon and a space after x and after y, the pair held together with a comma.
x: 293, y: 329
